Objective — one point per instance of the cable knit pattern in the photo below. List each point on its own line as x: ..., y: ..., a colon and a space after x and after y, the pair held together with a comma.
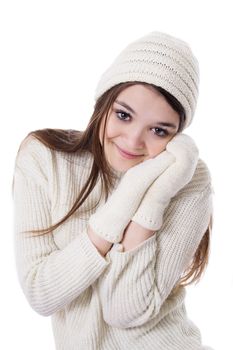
x: 123, y: 301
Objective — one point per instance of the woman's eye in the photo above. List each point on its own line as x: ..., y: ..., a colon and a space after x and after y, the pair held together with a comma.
x: 164, y: 132
x: 122, y: 115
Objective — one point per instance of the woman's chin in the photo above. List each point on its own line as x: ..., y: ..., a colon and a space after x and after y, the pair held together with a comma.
x: 119, y: 163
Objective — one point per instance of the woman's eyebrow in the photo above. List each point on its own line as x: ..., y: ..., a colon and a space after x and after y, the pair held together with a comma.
x: 169, y: 125
x: 126, y: 106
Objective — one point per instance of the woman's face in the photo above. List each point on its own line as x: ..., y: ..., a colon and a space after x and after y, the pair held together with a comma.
x: 136, y: 125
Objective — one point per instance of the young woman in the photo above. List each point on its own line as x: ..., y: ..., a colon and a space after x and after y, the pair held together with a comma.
x: 112, y: 222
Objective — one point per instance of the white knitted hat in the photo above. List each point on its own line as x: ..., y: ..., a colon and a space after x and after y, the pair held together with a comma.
x: 159, y: 59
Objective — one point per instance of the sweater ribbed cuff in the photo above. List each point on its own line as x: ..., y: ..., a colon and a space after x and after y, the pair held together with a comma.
x: 91, y: 251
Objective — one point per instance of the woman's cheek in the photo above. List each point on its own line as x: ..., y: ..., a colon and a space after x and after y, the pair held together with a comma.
x: 112, y: 129
x: 155, y: 150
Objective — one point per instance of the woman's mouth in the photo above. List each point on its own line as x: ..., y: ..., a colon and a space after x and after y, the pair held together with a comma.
x: 127, y: 155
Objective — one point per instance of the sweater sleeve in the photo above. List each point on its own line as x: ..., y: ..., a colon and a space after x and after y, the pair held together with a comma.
x: 136, y: 284
x: 50, y: 277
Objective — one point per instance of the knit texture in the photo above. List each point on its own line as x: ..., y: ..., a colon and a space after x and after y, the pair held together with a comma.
x: 111, y: 219
x: 124, y: 300
x: 159, y: 59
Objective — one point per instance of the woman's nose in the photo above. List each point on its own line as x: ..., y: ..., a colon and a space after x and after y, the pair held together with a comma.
x: 135, y: 138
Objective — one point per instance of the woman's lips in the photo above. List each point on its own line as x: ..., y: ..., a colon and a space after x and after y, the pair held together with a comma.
x: 127, y: 155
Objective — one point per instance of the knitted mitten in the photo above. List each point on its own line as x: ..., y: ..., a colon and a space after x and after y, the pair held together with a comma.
x: 175, y: 177
x: 110, y: 220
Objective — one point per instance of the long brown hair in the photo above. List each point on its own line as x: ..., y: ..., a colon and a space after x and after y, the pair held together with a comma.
x: 73, y: 141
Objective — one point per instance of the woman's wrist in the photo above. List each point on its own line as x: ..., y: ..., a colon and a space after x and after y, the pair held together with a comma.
x: 134, y: 235
x: 100, y: 243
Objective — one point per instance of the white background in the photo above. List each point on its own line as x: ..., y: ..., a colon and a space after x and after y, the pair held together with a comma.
x: 52, y: 56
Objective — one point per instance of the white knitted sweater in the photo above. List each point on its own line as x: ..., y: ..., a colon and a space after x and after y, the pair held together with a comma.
x: 123, y: 300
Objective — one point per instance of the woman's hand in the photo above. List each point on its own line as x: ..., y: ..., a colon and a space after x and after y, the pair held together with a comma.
x: 186, y: 153
x: 110, y: 220
x: 166, y: 186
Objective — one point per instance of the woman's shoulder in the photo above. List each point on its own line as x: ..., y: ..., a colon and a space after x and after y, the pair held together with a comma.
x: 34, y: 157
x: 32, y: 145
